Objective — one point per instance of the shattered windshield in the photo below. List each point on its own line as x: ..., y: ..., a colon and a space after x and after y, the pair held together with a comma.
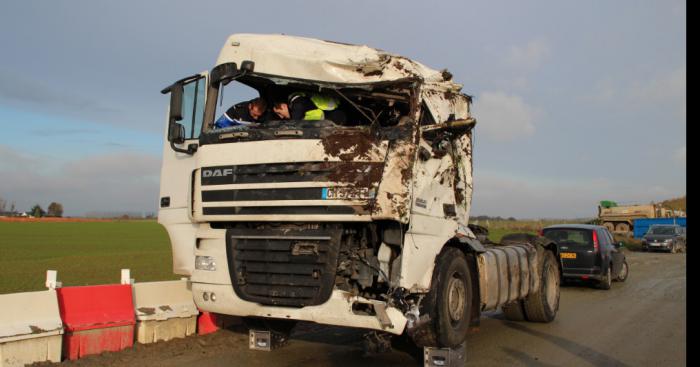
x: 256, y: 103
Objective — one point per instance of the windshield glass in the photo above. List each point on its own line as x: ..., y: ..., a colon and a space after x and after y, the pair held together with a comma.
x: 662, y: 230
x: 570, y: 237
x: 255, y: 102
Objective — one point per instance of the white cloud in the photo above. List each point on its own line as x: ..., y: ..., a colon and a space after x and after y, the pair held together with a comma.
x: 503, y: 117
x: 529, y: 56
x: 111, y: 182
x: 667, y: 88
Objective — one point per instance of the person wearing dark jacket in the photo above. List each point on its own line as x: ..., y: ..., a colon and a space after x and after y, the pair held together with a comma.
x: 244, y: 113
x: 300, y: 106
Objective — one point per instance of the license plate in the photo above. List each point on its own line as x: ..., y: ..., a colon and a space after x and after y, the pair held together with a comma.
x: 568, y: 255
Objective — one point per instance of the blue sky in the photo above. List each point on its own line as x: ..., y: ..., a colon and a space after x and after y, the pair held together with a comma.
x: 576, y: 101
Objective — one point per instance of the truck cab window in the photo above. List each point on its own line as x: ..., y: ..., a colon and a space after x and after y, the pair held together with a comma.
x: 193, y: 107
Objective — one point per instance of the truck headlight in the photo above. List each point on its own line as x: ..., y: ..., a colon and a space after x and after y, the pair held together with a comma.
x: 204, y: 263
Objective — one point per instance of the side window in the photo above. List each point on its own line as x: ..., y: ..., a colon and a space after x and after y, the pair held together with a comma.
x: 610, y: 236
x: 193, y: 107
x: 604, y: 239
x: 426, y: 117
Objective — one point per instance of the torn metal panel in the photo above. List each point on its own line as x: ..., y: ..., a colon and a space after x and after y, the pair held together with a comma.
x: 323, y: 61
x: 445, y: 101
x: 464, y: 184
x: 336, y: 311
x: 393, y: 199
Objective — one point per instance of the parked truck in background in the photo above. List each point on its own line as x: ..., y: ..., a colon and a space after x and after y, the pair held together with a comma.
x: 361, y: 224
x: 620, y: 218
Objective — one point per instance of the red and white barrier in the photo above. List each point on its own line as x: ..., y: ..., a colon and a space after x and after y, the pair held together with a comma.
x: 164, y: 310
x: 73, y: 322
x: 96, y: 318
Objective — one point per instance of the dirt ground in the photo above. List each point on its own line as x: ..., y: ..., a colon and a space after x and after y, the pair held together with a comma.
x: 641, y: 322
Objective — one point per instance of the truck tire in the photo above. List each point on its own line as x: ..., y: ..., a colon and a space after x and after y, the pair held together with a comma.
x: 514, y: 311
x: 622, y: 227
x: 610, y: 226
x: 450, y: 298
x: 543, y: 305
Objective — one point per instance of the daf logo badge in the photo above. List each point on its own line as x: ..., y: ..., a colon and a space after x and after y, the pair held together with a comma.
x: 217, y: 172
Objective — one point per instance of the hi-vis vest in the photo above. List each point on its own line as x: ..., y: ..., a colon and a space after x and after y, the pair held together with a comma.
x: 322, y: 103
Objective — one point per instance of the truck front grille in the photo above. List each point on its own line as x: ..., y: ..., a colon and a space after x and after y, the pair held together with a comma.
x: 283, y: 267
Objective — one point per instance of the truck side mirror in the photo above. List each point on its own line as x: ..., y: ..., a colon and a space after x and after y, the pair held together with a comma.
x: 176, y: 92
x: 176, y: 133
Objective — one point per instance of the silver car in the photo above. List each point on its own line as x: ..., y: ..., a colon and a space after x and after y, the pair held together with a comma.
x: 665, y: 237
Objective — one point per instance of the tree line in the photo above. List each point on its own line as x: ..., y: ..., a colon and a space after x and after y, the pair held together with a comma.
x: 53, y: 210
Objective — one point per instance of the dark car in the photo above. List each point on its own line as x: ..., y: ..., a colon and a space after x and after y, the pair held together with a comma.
x: 666, y: 237
x: 588, y: 253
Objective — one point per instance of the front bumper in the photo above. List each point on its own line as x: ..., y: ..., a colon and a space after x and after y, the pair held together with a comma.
x: 336, y: 311
x: 657, y: 246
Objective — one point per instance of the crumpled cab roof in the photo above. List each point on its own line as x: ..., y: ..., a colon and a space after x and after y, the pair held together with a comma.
x: 325, y: 61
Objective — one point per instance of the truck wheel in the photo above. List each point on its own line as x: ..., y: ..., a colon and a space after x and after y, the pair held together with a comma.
x: 610, y: 226
x: 606, y: 282
x: 624, y: 272
x: 449, y: 301
x: 514, y: 311
x: 622, y: 227
x: 542, y: 306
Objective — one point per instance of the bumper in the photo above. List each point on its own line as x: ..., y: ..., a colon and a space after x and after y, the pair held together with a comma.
x: 578, y: 273
x: 657, y: 246
x: 336, y: 311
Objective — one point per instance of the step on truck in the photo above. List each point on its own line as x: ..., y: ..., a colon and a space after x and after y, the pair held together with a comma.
x: 359, y: 222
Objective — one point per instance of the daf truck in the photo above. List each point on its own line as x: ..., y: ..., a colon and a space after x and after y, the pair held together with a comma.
x: 360, y: 223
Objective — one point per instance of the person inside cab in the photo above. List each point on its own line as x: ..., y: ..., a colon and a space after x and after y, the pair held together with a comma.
x: 312, y: 106
x: 244, y: 113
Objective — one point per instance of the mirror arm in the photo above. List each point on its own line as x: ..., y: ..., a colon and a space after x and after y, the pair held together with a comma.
x: 191, y: 149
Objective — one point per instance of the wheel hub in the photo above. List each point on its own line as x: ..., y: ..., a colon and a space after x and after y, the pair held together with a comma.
x: 456, y: 297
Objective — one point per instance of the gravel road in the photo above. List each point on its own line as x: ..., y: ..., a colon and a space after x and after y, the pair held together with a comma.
x: 641, y: 322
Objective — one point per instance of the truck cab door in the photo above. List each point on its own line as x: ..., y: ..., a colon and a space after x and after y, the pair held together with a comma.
x: 181, y: 139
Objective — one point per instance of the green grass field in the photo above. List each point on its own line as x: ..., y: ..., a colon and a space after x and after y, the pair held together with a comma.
x: 83, y: 253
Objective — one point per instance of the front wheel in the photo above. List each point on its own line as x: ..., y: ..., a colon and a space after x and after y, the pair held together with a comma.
x: 542, y: 306
x: 449, y: 301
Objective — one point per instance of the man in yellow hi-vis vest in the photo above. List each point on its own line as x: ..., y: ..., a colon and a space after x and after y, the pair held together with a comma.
x: 313, y: 106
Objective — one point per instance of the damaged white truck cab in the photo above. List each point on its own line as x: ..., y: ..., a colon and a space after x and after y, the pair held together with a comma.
x: 359, y: 223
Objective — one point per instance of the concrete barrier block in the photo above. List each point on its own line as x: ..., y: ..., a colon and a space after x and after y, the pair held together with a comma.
x: 164, y: 311
x: 30, y: 328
